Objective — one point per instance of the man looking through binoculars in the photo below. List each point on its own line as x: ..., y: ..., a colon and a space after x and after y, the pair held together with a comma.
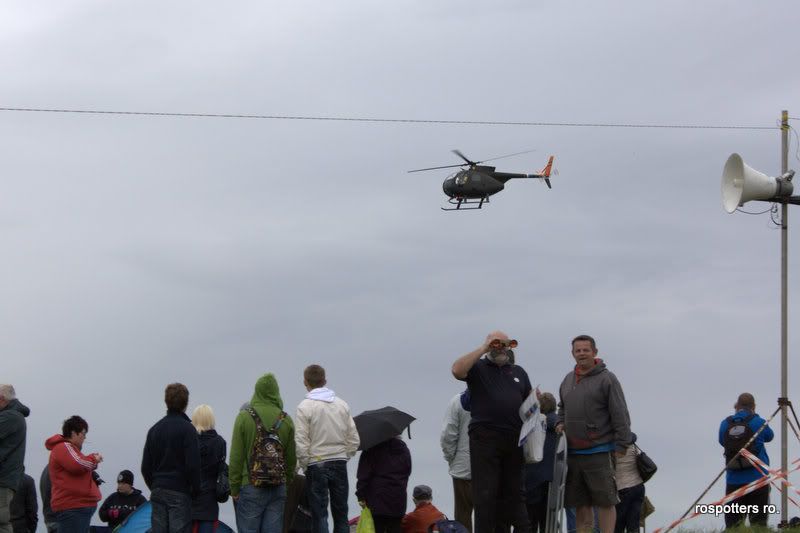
x: 497, y: 389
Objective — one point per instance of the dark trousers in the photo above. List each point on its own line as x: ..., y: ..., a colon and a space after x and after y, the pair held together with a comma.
x: 172, y: 511
x: 537, y: 514
x: 496, y: 464
x: 462, y: 494
x: 536, y: 505
x: 629, y: 509
x: 323, y: 479
x: 388, y: 524
x: 204, y: 526
x: 759, y: 497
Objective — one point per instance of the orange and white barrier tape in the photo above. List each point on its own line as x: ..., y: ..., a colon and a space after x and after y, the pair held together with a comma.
x: 765, y: 469
x: 728, y: 498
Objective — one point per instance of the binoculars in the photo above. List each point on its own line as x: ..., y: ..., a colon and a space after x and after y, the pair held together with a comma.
x: 498, y: 343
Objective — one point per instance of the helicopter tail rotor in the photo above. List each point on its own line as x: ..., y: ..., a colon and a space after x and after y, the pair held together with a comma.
x: 546, y: 172
x: 548, y: 168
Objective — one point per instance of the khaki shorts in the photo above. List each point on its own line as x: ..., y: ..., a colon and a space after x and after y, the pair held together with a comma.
x: 591, y: 480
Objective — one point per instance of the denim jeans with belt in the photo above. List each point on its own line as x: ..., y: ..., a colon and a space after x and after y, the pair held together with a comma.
x: 260, y: 509
x: 329, y: 477
x: 172, y: 511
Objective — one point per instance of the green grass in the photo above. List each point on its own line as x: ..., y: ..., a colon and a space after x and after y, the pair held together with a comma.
x: 740, y: 529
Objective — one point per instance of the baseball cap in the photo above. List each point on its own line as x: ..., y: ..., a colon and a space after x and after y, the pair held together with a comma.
x: 126, y: 476
x: 423, y: 492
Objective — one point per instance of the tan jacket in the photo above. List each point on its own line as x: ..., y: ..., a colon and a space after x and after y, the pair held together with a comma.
x: 324, y: 429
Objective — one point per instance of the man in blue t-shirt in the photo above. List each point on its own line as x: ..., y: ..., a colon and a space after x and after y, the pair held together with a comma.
x: 497, y: 388
x: 740, y: 427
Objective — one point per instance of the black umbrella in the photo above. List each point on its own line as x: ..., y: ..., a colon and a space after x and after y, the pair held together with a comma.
x: 381, y: 425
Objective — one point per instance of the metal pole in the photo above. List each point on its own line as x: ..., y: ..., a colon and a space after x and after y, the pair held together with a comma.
x: 784, y: 318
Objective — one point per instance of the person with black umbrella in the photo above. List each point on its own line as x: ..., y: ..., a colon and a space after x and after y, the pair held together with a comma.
x: 497, y: 389
x: 384, y: 466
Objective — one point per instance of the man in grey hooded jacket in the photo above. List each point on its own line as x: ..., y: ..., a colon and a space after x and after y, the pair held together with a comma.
x: 12, y: 450
x: 594, y: 415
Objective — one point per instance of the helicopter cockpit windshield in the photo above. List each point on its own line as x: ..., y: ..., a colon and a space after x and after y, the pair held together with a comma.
x: 462, y: 178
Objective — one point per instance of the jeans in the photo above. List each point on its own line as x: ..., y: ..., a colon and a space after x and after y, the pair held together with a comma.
x: 629, y: 509
x: 324, y: 478
x: 172, y: 511
x: 75, y: 520
x: 496, y: 463
x: 758, y: 498
x: 260, y: 509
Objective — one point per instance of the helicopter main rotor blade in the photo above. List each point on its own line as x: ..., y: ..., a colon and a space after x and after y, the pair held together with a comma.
x: 462, y: 156
x: 435, y: 168
x: 504, y: 156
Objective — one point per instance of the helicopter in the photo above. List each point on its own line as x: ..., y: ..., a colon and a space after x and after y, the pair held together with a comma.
x: 474, y: 184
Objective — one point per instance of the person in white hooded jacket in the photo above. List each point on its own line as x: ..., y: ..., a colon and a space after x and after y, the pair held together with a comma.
x: 326, y: 438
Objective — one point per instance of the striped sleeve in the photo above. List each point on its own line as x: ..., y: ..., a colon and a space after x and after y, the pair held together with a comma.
x: 74, y: 461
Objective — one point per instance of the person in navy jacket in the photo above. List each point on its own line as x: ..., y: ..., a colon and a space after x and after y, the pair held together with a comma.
x: 745, y: 408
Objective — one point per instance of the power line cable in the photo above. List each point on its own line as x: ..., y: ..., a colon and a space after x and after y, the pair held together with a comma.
x: 391, y: 120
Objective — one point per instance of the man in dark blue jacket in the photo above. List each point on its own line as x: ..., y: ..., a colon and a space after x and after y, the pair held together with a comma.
x: 171, y: 464
x: 734, y: 432
x: 497, y: 388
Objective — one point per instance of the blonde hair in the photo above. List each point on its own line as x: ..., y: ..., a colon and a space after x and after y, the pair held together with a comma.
x: 203, y: 418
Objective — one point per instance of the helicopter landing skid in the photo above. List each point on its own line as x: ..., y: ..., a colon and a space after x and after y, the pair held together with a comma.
x: 459, y: 202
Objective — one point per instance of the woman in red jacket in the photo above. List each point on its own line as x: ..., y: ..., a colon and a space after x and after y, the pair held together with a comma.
x: 74, y: 493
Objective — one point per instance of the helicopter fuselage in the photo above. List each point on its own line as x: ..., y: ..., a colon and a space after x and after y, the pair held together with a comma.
x: 476, y: 182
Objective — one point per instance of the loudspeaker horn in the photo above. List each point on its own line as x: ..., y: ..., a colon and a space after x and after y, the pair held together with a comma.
x: 741, y: 183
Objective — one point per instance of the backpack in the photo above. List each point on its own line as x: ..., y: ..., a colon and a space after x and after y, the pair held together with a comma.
x: 267, y: 466
x: 736, y: 436
x: 448, y: 526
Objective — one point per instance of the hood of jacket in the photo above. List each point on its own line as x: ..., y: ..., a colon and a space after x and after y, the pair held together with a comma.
x: 54, y: 441
x: 136, y: 492
x: 267, y: 392
x: 322, y: 394
x: 16, y: 405
x: 599, y: 367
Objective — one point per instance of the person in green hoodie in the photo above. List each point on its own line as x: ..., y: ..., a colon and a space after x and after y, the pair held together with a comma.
x: 259, y: 505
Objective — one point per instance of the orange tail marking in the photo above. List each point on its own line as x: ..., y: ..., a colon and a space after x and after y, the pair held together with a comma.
x: 547, y: 169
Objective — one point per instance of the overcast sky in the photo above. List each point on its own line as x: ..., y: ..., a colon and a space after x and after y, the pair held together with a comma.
x: 138, y: 251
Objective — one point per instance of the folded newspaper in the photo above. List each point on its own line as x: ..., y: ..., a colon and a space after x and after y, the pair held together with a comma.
x: 534, y: 428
